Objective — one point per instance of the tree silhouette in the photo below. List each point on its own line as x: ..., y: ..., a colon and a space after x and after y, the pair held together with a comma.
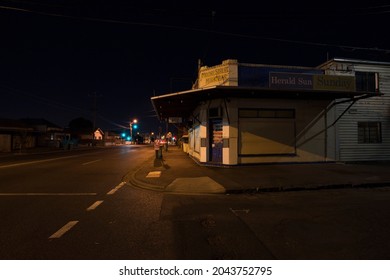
x: 80, y: 126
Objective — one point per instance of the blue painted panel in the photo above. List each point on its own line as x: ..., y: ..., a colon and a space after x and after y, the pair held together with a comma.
x: 249, y: 76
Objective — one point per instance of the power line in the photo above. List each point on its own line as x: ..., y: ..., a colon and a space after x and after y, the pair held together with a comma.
x: 55, y: 104
x: 210, y: 31
x: 41, y: 99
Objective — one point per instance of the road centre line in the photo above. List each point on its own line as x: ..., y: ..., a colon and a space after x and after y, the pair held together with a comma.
x: 63, y: 230
x: 116, y: 188
x: 35, y: 161
x: 46, y: 194
x: 89, y: 162
x: 94, y: 205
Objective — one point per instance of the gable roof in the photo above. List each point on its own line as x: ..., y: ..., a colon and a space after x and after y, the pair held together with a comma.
x: 13, y: 125
x: 35, y: 122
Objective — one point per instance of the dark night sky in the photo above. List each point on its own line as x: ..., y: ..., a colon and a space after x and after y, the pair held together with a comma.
x: 56, y: 56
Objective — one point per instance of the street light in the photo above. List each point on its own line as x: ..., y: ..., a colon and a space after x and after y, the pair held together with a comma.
x: 131, y: 128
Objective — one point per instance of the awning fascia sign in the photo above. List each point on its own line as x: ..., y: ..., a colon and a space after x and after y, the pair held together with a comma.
x: 279, y: 80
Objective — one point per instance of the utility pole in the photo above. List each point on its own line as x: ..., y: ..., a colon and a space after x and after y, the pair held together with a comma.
x: 94, y: 107
x: 94, y: 95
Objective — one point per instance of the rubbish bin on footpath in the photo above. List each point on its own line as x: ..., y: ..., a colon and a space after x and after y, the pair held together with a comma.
x: 158, y: 149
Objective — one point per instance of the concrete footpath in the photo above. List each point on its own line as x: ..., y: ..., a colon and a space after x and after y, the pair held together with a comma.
x: 178, y: 172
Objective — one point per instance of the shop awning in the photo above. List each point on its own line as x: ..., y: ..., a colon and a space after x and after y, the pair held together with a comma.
x: 182, y: 104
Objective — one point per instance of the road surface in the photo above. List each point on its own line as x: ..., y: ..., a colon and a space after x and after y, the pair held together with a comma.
x: 79, y: 205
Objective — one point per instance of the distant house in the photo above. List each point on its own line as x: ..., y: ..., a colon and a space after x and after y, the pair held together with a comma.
x: 85, y: 139
x: 95, y: 138
x: 112, y: 138
x: 15, y: 135
x: 47, y: 134
x: 98, y: 134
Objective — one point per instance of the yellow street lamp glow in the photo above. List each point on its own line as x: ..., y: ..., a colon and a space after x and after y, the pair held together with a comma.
x: 131, y: 128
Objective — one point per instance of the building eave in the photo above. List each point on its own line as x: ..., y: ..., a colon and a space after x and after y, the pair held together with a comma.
x: 182, y: 104
x: 353, y: 61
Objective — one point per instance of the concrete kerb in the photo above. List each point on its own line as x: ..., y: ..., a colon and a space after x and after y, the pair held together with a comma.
x: 138, y: 183
x: 307, y: 188
x: 141, y: 184
x: 174, y: 184
x: 145, y: 168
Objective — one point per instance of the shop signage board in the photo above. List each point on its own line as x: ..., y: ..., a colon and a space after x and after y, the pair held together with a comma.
x: 311, y: 82
x: 175, y: 120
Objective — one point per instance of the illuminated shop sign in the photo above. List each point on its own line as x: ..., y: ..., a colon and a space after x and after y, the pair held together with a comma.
x: 290, y: 81
x: 336, y: 83
x: 314, y: 82
x: 216, y: 75
x: 175, y: 120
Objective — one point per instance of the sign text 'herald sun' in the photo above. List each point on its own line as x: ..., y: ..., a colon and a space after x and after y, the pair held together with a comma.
x: 314, y: 82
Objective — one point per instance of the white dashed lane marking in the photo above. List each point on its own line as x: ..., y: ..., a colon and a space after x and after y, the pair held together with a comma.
x: 116, y: 188
x: 89, y: 162
x: 63, y: 230
x: 71, y: 224
x: 95, y: 205
x: 35, y: 161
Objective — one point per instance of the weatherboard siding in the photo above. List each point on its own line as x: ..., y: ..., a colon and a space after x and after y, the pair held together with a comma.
x: 374, y: 109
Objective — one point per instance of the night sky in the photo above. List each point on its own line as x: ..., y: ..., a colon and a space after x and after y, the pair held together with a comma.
x: 61, y: 60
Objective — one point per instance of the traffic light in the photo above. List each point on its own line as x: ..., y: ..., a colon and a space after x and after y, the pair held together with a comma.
x: 135, y: 126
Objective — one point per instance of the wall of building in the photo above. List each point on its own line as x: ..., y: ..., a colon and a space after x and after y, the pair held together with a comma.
x: 230, y: 132
x: 198, y: 132
x: 319, y: 131
x: 264, y: 140
x: 373, y: 109
x: 298, y: 139
x: 5, y: 142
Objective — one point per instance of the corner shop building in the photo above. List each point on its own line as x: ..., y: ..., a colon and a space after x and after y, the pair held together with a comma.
x: 241, y: 113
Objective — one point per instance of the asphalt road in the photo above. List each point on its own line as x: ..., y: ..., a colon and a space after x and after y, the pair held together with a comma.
x: 345, y: 224
x: 81, y: 190
x: 78, y: 205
